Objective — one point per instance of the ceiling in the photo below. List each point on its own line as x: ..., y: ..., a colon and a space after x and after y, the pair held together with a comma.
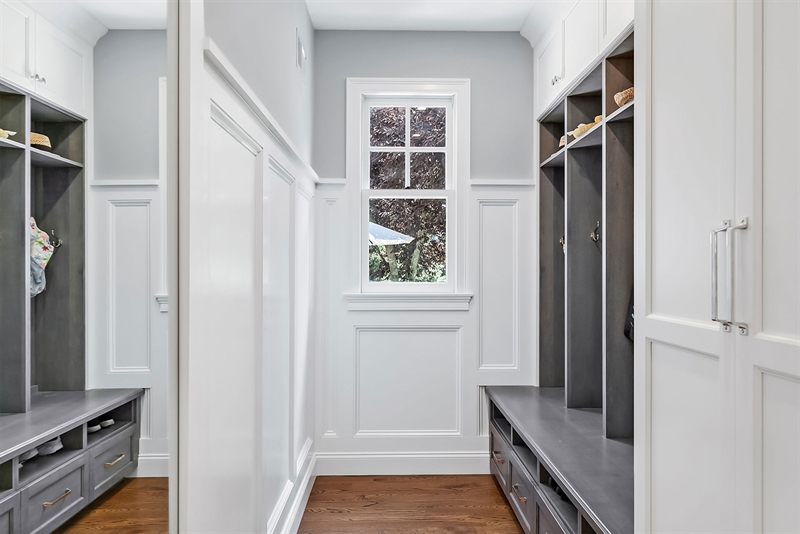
x: 128, y: 14
x: 434, y: 15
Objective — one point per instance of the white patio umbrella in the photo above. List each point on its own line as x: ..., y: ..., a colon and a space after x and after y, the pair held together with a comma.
x: 380, y: 235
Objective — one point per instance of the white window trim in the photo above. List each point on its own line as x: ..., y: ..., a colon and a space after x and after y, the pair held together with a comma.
x: 457, y: 91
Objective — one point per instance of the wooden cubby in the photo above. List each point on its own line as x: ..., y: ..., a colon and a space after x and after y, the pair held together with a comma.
x: 586, y: 197
x: 43, y: 338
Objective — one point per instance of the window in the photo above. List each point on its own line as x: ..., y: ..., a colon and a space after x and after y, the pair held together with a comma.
x: 403, y: 151
x: 406, y: 192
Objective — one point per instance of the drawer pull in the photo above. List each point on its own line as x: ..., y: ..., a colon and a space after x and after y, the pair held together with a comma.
x: 66, y: 494
x: 520, y: 497
x: 117, y: 460
x: 496, y: 459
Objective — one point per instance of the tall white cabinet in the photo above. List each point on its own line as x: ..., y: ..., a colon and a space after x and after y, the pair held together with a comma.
x: 717, y: 401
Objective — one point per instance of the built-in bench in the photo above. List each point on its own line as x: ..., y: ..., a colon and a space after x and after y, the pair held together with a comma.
x: 558, y: 471
x: 46, y: 490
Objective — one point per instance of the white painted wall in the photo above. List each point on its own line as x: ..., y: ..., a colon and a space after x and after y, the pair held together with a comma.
x: 259, y: 38
x: 497, y: 63
x: 126, y: 232
x: 399, y: 390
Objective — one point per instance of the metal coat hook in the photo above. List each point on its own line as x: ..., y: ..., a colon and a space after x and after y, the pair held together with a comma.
x: 595, y: 236
x: 563, y: 244
x: 55, y: 241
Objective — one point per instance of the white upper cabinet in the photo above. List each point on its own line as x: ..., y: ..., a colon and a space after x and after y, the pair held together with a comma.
x: 615, y: 15
x: 62, y: 66
x: 581, y: 38
x: 39, y: 57
x: 17, y: 31
x: 550, y: 68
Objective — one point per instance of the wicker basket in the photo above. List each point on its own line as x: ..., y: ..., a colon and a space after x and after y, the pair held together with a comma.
x: 41, y: 142
x: 623, y: 97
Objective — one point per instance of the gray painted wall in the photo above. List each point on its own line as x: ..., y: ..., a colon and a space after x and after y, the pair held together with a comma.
x: 127, y: 66
x: 259, y: 38
x: 500, y: 65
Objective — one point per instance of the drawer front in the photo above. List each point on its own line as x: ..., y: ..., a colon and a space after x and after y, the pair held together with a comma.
x: 111, y: 461
x: 49, y: 502
x: 522, y: 496
x: 498, y: 451
x: 547, y: 523
x: 10, y: 522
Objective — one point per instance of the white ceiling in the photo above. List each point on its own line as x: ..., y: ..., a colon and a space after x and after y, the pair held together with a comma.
x: 128, y: 14
x: 434, y: 15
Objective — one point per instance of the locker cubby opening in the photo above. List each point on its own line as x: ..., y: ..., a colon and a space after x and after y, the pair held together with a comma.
x: 586, y: 527
x: 15, y: 266
x: 7, y: 476
x: 619, y: 73
x: 618, y: 275
x: 58, y: 313
x: 584, y: 280
x: 551, y: 129
x: 72, y: 442
x: 12, y: 116
x: 561, y: 502
x: 582, y: 109
x: 123, y: 417
x: 526, y: 455
x: 65, y: 131
x: 551, y: 277
x: 501, y: 422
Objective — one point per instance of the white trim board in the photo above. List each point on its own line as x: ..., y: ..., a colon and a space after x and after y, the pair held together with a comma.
x: 152, y: 465
x: 403, y: 463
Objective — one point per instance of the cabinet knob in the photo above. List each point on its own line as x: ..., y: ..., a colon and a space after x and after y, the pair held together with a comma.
x: 43, y: 81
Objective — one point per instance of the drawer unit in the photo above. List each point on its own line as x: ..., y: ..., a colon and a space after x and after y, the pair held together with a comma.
x: 111, y: 461
x: 10, y: 522
x: 499, y: 456
x: 522, y: 495
x: 50, y: 501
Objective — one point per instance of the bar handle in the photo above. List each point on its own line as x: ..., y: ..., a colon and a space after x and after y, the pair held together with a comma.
x: 116, y: 460
x: 516, y: 492
x: 66, y: 494
x: 714, y: 281
x: 496, y: 459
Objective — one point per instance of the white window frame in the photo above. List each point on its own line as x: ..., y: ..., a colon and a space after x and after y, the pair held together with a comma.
x: 454, y: 94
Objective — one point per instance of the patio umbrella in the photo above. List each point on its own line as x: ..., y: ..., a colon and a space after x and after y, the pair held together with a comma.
x: 380, y: 235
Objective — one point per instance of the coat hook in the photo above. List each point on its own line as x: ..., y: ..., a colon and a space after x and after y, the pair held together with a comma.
x: 595, y: 236
x: 55, y: 241
x: 563, y: 244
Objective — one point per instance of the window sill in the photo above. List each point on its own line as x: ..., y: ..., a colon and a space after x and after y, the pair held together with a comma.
x: 408, y: 301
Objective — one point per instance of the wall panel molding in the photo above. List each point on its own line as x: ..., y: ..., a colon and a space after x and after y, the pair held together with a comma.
x: 382, y: 397
x: 129, y: 256
x: 499, y: 284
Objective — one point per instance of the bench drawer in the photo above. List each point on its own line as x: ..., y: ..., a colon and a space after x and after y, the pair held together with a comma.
x: 48, y: 503
x: 9, y: 515
x: 522, y: 496
x: 547, y: 523
x: 499, y: 456
x: 111, y: 461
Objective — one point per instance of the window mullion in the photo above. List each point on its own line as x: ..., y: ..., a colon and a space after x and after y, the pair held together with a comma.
x: 408, y: 146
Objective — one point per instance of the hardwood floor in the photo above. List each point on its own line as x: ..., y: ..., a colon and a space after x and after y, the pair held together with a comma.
x: 451, y: 504
x: 134, y: 506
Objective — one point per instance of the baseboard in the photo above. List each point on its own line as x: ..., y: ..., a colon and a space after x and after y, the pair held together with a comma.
x: 296, y: 504
x: 403, y: 463
x: 152, y: 465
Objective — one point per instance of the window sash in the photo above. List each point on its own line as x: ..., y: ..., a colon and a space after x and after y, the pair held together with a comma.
x: 369, y: 286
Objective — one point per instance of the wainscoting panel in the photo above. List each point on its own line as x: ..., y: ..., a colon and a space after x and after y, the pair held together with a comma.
x: 498, y: 222
x: 131, y: 292
x: 408, y: 380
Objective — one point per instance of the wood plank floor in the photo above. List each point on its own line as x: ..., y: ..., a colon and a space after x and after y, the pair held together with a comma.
x: 134, y: 506
x: 451, y: 504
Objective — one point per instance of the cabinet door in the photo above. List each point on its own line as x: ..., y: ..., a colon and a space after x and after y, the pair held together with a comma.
x: 551, y: 63
x: 581, y: 38
x: 17, y: 30
x: 615, y: 15
x: 64, y: 66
